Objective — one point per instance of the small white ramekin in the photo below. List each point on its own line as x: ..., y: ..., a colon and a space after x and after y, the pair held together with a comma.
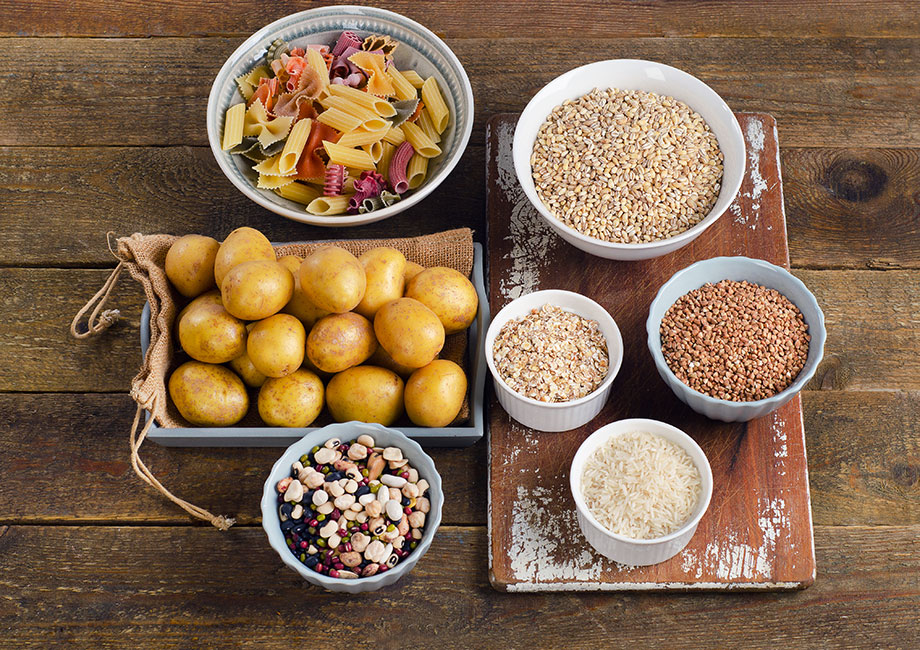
x: 625, y: 550
x: 555, y: 416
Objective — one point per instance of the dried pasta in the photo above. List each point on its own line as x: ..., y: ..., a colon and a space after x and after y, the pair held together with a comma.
x: 336, y: 127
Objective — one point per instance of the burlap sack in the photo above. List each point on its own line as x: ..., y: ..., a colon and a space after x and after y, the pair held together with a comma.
x: 144, y: 256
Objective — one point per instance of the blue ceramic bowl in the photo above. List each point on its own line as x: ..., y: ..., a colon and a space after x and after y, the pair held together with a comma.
x: 349, y: 431
x: 418, y: 49
x: 738, y: 269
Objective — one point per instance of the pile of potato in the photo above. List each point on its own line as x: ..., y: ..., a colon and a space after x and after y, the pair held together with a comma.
x: 373, y: 326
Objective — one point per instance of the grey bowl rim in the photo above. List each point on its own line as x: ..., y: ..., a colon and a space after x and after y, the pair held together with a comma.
x: 804, y: 376
x: 268, y: 504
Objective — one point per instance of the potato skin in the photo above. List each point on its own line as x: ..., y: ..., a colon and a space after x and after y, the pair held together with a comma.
x: 276, y: 345
x: 385, y: 270
x: 410, y: 332
x: 242, y: 365
x: 333, y: 279
x: 299, y: 305
x: 242, y: 245
x: 383, y: 359
x: 190, y: 264
x: 366, y: 394
x: 340, y: 341
x: 434, y: 393
x: 412, y: 269
x: 208, y: 333
x: 449, y: 294
x: 208, y: 395
x: 294, y: 400
x: 256, y: 290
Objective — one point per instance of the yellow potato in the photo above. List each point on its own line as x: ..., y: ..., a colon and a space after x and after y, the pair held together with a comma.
x: 366, y: 394
x: 242, y: 245
x: 449, y: 294
x: 190, y: 264
x: 276, y: 345
x: 383, y: 359
x: 412, y: 269
x: 299, y: 305
x: 247, y: 372
x: 294, y: 400
x: 385, y: 268
x: 434, y: 394
x: 410, y: 332
x: 256, y: 290
x: 208, y: 333
x: 341, y: 341
x: 333, y: 279
x: 208, y: 395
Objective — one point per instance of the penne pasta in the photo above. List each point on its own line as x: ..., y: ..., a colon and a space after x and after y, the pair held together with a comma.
x: 233, y: 126
x: 382, y: 107
x: 293, y: 147
x: 401, y: 85
x: 299, y: 193
x: 361, y: 137
x: 394, y: 136
x: 425, y: 123
x: 316, y: 61
x: 422, y: 144
x: 413, y: 78
x: 386, y: 155
x: 369, y: 119
x: 434, y: 104
x: 353, y: 158
x: 328, y: 205
x: 374, y: 150
x: 339, y: 120
x: 416, y: 171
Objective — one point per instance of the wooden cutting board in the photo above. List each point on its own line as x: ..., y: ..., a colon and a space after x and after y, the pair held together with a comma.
x: 757, y: 533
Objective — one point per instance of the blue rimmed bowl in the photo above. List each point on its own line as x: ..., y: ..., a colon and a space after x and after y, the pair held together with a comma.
x: 383, y: 437
x: 418, y: 49
x: 737, y: 269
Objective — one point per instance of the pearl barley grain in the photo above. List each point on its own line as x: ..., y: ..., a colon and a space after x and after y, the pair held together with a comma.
x: 627, y: 166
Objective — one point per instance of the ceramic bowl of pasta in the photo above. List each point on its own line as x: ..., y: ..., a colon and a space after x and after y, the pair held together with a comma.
x: 629, y: 159
x: 340, y: 116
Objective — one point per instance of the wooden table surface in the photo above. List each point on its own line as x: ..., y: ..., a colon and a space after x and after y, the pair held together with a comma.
x: 102, y: 128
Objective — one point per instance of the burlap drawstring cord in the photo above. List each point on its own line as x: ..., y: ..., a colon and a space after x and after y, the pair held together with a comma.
x: 144, y: 258
x: 137, y: 439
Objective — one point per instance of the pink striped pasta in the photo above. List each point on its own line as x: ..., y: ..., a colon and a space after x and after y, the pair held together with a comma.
x: 398, y: 165
x: 334, y: 180
x: 346, y: 39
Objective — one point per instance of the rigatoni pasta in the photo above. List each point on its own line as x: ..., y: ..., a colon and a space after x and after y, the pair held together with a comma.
x: 337, y: 129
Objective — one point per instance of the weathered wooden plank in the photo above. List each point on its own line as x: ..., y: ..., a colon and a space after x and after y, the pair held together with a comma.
x: 174, y: 190
x: 54, y: 440
x: 107, y: 587
x: 872, y: 322
x: 845, y: 207
x: 864, y: 464
x: 823, y: 92
x: 592, y: 18
x: 853, y: 207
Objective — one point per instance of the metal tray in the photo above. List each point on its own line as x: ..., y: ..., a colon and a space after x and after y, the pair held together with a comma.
x: 460, y: 436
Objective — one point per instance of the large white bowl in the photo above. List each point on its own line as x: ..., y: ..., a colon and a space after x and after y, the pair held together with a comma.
x: 632, y: 74
x: 349, y: 431
x: 759, y: 272
x: 626, y: 550
x: 418, y: 49
x: 555, y: 416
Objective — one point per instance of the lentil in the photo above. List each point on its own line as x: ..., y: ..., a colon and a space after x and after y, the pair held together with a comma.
x: 627, y: 166
x: 735, y: 341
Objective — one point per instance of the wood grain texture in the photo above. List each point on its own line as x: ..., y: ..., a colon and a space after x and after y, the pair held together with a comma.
x: 757, y: 530
x: 824, y: 92
x: 849, y: 207
x: 51, y: 440
x: 175, y: 190
x: 833, y: 221
x: 109, y: 587
x: 872, y: 322
x: 543, y: 18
